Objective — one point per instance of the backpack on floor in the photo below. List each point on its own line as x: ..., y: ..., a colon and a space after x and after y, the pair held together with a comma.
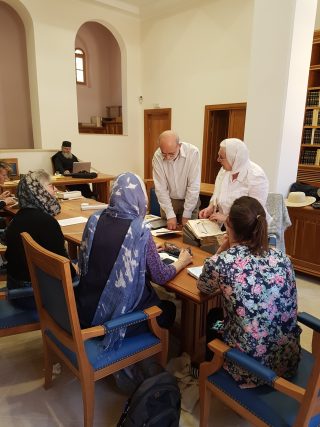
x: 155, y: 403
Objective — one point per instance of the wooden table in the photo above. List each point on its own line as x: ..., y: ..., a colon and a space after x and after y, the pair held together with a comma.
x: 101, y: 184
x: 195, y: 305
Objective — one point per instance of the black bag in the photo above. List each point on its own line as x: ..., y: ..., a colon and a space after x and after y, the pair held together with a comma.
x: 83, y: 174
x: 155, y: 403
x: 309, y: 190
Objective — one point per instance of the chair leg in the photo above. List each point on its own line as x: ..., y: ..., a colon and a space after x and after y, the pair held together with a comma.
x: 87, y: 386
x: 162, y: 357
x: 205, y: 400
x: 48, y: 365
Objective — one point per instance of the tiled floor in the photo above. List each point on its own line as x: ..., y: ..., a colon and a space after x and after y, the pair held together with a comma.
x: 24, y: 402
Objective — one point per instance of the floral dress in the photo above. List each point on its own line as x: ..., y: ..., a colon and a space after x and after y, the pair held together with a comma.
x: 260, y: 303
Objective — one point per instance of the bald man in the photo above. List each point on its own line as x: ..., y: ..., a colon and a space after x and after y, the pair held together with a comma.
x: 176, y: 175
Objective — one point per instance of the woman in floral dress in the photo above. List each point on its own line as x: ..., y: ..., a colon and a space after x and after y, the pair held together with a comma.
x: 259, y: 294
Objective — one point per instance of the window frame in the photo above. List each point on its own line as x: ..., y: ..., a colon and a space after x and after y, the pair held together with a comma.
x: 84, y: 62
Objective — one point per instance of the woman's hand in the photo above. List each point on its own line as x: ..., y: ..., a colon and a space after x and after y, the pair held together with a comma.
x: 160, y: 247
x: 185, y: 258
x: 225, y: 245
x: 207, y: 212
x: 218, y: 217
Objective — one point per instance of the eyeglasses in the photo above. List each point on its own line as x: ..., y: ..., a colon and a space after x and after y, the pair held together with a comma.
x: 170, y: 156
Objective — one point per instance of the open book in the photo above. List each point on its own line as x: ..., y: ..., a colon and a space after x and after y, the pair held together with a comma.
x: 201, y: 228
x: 154, y: 222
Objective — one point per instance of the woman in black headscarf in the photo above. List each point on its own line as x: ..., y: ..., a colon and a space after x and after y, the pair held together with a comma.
x: 38, y: 206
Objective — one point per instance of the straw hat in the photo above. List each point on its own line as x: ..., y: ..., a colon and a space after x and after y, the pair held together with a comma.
x: 298, y: 198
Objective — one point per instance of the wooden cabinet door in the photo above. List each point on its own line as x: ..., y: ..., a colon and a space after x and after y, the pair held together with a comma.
x: 237, y: 119
x: 302, y: 239
x: 156, y: 121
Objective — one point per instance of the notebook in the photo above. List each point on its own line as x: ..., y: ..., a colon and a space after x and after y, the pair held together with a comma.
x: 81, y: 166
x: 195, y: 271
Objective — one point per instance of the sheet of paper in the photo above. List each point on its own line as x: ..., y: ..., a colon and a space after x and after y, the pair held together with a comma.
x: 163, y: 231
x: 72, y: 221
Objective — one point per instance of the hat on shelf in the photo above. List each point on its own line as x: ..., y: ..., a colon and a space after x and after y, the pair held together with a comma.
x: 66, y: 144
x: 299, y: 199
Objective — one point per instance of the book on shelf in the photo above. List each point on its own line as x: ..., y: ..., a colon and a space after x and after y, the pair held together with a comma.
x: 306, y: 136
x: 308, y: 157
x: 308, y: 118
x: 317, y: 161
x: 313, y: 98
x: 316, y: 137
x: 195, y: 271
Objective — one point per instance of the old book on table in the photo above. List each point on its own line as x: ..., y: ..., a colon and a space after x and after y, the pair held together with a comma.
x: 204, y: 228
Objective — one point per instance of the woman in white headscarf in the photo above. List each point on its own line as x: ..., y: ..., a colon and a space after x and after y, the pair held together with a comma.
x: 237, y: 177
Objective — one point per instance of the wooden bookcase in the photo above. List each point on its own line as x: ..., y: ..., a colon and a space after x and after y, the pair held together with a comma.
x: 309, y: 162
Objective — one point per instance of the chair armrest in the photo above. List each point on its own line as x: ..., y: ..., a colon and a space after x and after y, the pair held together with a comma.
x: 121, y: 322
x: 125, y: 321
x: 310, y: 321
x: 251, y: 365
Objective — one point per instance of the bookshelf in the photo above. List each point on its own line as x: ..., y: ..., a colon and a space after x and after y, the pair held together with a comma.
x: 309, y: 161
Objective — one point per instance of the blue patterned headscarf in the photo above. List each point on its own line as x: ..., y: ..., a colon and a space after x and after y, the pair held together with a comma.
x: 126, y: 282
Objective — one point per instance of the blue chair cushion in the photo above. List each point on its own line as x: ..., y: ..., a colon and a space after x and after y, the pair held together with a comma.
x: 11, y: 316
x: 271, y: 406
x: 98, y: 360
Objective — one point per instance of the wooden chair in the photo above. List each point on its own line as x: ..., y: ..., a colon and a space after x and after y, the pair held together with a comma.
x: 281, y: 403
x: 79, y: 348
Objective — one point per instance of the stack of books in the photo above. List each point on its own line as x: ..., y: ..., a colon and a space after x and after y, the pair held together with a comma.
x: 204, y: 233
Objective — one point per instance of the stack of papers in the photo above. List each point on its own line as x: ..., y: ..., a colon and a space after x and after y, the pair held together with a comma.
x: 163, y: 231
x: 72, y: 221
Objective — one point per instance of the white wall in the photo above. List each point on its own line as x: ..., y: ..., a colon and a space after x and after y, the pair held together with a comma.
x: 103, y: 86
x: 54, y: 27
x: 195, y: 57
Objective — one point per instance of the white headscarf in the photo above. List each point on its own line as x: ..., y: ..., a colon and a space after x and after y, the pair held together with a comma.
x: 237, y: 155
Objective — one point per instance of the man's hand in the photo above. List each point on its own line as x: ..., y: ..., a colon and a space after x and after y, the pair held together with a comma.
x: 184, y: 221
x: 207, y: 212
x: 172, y: 223
x: 9, y: 201
x: 4, y: 195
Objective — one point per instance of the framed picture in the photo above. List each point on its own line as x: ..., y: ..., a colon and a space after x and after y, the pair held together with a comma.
x: 13, y: 164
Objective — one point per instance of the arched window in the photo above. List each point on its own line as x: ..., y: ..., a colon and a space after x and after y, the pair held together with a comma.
x: 80, y: 62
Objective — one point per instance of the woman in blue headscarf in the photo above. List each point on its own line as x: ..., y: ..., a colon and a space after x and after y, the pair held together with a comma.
x: 118, y: 258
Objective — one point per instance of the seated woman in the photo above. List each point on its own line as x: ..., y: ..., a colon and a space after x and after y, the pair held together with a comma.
x: 237, y: 177
x: 259, y: 293
x: 38, y: 205
x: 118, y: 258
